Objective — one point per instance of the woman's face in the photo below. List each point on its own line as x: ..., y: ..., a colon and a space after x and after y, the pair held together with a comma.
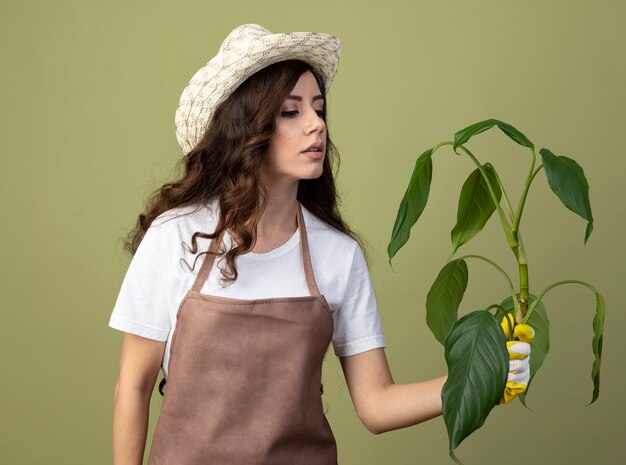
x: 298, y: 147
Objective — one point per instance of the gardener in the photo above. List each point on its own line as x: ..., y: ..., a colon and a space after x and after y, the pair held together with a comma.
x: 244, y: 272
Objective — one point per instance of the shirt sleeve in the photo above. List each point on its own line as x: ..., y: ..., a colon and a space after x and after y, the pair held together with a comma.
x: 143, y: 303
x: 357, y: 323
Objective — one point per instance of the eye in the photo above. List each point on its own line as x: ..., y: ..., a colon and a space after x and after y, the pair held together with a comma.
x: 289, y: 114
x: 320, y: 113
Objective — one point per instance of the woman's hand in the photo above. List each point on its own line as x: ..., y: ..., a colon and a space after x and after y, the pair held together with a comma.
x: 140, y: 362
x: 519, y: 359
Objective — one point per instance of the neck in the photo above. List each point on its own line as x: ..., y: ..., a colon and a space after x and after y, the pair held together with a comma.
x: 279, y: 216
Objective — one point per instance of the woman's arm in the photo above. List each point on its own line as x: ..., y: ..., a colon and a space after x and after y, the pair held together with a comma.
x: 140, y: 362
x: 383, y: 405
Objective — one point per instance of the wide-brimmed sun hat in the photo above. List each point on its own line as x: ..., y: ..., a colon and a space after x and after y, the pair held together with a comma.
x: 246, y: 50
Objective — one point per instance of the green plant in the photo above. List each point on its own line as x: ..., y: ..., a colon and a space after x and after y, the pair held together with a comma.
x: 475, y: 347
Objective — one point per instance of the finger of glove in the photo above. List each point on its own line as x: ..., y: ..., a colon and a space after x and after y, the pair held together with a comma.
x: 519, y: 372
x: 511, y: 391
x: 524, y: 332
x: 518, y: 350
x: 507, y: 324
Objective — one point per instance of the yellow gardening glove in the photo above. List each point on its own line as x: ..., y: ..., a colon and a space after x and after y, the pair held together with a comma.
x: 519, y: 358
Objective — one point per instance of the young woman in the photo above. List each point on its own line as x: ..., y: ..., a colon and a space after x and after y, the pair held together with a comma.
x: 244, y: 272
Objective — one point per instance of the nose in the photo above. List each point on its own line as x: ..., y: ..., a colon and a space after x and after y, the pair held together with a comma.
x: 315, y: 123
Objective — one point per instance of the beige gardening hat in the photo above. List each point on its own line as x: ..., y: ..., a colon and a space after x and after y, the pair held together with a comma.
x: 246, y: 50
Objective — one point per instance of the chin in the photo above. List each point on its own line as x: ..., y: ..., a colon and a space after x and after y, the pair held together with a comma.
x: 313, y: 174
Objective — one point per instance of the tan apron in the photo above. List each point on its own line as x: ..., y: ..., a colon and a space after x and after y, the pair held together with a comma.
x: 244, y: 378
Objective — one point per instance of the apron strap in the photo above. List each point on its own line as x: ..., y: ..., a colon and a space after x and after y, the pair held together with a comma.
x: 207, y: 263
x: 203, y: 274
x: 306, y: 255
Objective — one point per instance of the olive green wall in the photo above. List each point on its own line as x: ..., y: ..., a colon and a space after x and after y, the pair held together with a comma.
x: 88, y: 93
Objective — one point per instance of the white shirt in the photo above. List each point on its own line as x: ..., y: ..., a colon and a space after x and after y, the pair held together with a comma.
x: 158, y: 278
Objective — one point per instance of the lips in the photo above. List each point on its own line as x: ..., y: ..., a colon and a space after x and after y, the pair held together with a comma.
x: 316, y: 147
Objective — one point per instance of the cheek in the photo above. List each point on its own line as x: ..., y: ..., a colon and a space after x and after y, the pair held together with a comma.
x: 281, y: 140
x: 274, y: 143
x: 275, y: 151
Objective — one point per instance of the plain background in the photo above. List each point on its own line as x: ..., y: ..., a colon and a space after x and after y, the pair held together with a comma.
x: 88, y: 94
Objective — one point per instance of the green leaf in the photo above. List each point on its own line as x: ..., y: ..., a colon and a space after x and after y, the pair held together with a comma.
x: 478, y: 363
x: 598, y: 330
x: 540, y: 345
x: 466, y: 134
x: 475, y: 206
x: 444, y: 298
x: 413, y: 202
x: 567, y: 180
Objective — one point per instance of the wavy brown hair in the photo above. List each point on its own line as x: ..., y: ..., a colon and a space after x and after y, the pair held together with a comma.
x: 226, y: 163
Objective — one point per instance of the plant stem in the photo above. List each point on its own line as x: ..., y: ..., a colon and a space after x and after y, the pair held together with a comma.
x: 559, y: 283
x: 519, y: 251
x: 441, y: 144
x: 523, y: 293
x: 535, y: 173
x: 522, y: 200
x: 506, y: 197
x: 506, y: 276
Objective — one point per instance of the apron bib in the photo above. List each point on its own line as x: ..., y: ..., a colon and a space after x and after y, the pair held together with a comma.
x: 244, y: 378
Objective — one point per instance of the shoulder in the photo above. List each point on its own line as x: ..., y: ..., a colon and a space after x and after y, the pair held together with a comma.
x: 327, y: 241
x: 169, y: 235
x: 186, y: 220
x: 320, y: 229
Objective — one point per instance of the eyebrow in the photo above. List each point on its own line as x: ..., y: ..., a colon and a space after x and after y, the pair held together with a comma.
x: 299, y: 99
